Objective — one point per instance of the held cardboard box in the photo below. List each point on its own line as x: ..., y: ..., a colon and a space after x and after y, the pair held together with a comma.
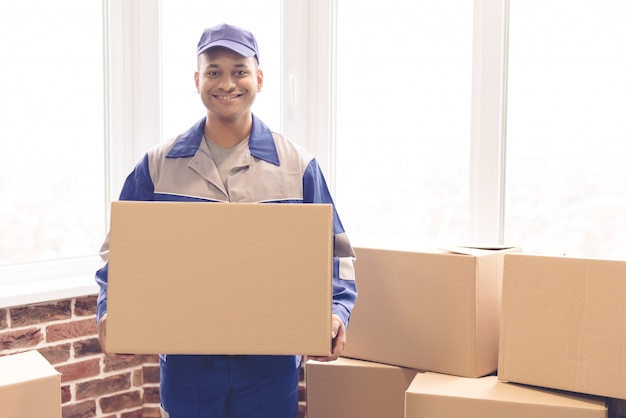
x: 29, y: 387
x: 433, y: 395
x: 435, y: 311
x: 220, y: 278
x: 564, y: 324
x: 348, y: 388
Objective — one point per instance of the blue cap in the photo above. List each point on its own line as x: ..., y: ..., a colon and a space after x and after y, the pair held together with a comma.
x: 239, y: 40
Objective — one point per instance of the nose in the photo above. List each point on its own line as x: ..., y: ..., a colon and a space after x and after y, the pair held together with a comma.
x: 227, y: 83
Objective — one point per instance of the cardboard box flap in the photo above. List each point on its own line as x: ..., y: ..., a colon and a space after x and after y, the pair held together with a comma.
x: 24, y: 367
x: 475, y: 249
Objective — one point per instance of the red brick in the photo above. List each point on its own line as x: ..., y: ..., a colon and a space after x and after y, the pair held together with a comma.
x: 120, y: 402
x: 100, y: 387
x: 85, y: 409
x: 138, y: 413
x: 87, y: 347
x: 4, y: 318
x: 37, y: 314
x: 66, y: 394
x: 151, y: 358
x: 73, y: 329
x: 301, y: 392
x: 151, y: 395
x: 56, y: 353
x: 152, y: 412
x: 79, y: 370
x: 20, y: 339
x: 151, y: 374
x: 138, y: 377
x: 86, y: 306
x: 111, y: 365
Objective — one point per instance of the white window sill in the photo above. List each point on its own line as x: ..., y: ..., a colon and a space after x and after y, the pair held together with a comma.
x: 18, y: 294
x: 45, y: 282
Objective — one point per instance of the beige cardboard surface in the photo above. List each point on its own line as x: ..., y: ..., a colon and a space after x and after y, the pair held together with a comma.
x: 29, y: 387
x: 435, y: 311
x: 564, y: 324
x: 220, y: 278
x: 348, y: 388
x: 433, y: 395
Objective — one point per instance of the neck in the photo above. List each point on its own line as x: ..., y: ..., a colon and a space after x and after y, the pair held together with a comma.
x: 227, y: 133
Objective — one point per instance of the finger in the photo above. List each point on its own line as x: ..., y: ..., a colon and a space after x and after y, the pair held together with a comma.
x: 331, y: 357
x: 337, y: 325
x: 337, y: 348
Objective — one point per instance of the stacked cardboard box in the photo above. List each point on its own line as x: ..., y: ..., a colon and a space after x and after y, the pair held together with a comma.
x: 433, y: 395
x: 564, y: 324
x: 353, y: 388
x: 434, y: 311
x: 29, y: 387
x: 438, y: 312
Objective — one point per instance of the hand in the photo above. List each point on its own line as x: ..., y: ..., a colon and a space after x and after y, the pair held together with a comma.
x: 102, y: 337
x: 338, y: 335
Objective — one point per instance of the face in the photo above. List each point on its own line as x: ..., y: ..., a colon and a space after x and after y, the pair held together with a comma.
x: 228, y: 83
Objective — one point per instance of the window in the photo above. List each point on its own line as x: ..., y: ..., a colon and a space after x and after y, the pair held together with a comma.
x: 566, y: 186
x: 413, y: 108
x: 52, y: 200
x: 404, y: 78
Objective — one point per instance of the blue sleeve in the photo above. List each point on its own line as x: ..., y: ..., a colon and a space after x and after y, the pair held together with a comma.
x: 102, y: 278
x: 315, y: 190
x: 138, y: 186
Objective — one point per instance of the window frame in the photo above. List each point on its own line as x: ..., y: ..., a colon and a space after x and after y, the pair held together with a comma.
x: 488, y: 121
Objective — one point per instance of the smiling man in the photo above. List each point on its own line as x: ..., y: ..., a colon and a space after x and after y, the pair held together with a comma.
x: 228, y: 79
x: 231, y: 156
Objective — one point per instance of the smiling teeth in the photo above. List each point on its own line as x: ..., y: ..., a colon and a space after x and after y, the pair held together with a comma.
x: 234, y: 96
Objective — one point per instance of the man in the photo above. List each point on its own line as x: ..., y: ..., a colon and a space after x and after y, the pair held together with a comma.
x: 231, y: 156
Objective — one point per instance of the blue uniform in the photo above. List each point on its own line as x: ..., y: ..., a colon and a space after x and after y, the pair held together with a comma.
x: 271, y: 170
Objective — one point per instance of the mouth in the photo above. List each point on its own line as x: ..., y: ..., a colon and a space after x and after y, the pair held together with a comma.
x: 227, y: 97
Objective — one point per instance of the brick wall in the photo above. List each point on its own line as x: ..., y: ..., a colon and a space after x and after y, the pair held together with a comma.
x: 64, y: 332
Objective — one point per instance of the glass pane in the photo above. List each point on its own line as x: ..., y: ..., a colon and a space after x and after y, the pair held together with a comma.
x: 182, y: 25
x: 403, y: 121
x: 51, y: 129
x: 566, y: 182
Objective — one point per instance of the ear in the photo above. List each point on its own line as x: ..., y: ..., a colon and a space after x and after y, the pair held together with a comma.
x: 196, y: 77
x: 259, y: 79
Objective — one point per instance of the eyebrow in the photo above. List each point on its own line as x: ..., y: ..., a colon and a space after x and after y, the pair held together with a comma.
x: 241, y: 65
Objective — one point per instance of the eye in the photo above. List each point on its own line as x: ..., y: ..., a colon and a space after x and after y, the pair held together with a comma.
x: 241, y: 73
x: 212, y: 74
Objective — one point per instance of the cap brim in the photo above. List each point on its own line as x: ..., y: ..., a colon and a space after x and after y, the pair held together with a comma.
x: 237, y: 47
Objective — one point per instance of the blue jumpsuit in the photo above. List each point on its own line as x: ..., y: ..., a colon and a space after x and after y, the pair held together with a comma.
x: 272, y: 170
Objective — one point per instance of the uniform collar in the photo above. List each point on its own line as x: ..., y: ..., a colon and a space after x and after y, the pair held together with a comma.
x: 261, y: 143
